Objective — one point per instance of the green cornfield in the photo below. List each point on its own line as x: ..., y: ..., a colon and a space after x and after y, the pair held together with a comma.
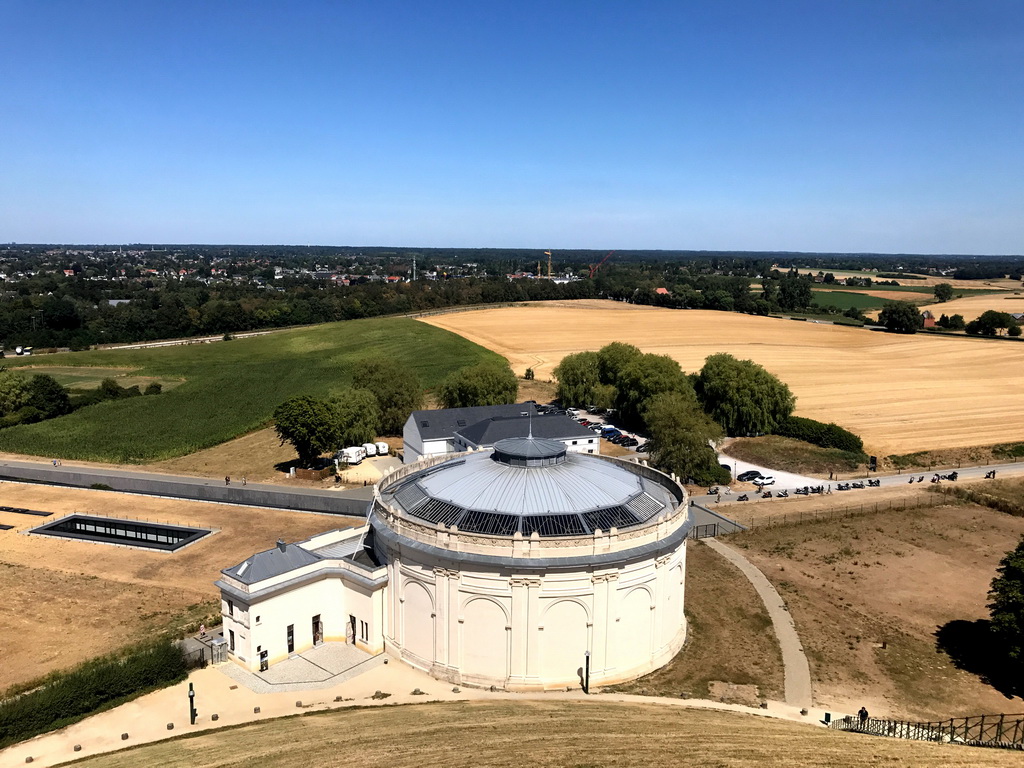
x: 230, y: 388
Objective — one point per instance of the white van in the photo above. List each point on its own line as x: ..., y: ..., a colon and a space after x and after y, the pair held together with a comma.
x: 370, y: 448
x: 383, y: 449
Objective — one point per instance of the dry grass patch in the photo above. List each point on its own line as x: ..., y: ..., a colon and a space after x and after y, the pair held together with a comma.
x: 894, y: 577
x: 899, y: 393
x: 106, y: 597
x: 556, y: 734
x: 730, y: 636
x: 784, y: 454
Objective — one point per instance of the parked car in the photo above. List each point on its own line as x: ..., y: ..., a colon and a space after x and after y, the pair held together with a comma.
x: 765, y: 481
x: 643, y: 447
x: 630, y: 442
x: 746, y: 477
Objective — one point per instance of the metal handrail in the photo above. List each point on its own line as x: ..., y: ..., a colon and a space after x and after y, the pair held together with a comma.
x: 1004, y: 730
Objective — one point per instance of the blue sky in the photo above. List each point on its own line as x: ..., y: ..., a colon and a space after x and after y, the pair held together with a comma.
x: 833, y: 125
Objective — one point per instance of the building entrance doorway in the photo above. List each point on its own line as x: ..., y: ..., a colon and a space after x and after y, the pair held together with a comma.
x: 291, y: 638
x: 318, y: 631
x: 350, y: 631
x: 264, y: 661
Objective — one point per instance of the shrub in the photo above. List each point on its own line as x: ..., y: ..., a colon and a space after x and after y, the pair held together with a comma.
x: 64, y: 698
x: 819, y: 433
x: 153, y: 388
x: 1008, y: 450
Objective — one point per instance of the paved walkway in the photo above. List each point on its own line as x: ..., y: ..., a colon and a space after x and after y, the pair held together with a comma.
x: 325, y: 666
x: 794, y: 661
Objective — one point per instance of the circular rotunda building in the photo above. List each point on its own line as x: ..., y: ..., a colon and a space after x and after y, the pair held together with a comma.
x: 522, y: 566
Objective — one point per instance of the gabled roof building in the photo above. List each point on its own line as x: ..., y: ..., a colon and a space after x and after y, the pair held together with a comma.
x: 453, y: 430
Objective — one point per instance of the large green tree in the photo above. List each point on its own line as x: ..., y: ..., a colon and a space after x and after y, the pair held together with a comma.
x: 643, y: 378
x: 613, y: 359
x: 481, y: 384
x: 578, y: 375
x: 1006, y: 604
x: 310, y: 425
x: 682, y: 436
x: 990, y: 322
x: 358, y: 415
x: 742, y: 396
x: 943, y: 291
x: 14, y: 391
x: 397, y: 389
x: 900, y: 317
x: 48, y: 396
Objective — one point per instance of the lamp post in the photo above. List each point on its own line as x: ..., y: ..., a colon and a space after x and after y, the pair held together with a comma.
x: 586, y: 672
x: 192, y: 704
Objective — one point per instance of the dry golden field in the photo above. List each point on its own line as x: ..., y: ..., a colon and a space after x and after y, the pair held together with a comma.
x: 108, y: 596
x: 972, y: 306
x: 900, y: 393
x: 551, y: 734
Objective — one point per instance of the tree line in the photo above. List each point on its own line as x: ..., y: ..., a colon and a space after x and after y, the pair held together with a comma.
x: 379, y: 402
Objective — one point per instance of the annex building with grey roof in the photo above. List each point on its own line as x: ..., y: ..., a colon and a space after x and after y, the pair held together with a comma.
x: 455, y: 430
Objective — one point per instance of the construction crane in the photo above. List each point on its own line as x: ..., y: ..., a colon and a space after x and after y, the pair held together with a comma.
x: 594, y: 268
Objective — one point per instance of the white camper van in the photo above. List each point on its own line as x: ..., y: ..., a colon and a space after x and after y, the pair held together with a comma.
x: 352, y: 455
x: 383, y: 449
x: 370, y: 448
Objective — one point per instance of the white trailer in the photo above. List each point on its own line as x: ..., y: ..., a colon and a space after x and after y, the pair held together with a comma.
x: 370, y: 448
x: 383, y: 449
x: 352, y: 455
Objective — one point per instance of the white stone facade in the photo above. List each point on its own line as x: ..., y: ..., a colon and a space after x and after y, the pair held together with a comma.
x: 532, y: 630
x: 512, y: 611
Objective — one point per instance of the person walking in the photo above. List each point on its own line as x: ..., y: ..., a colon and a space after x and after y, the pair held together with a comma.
x: 863, y: 715
x: 227, y: 480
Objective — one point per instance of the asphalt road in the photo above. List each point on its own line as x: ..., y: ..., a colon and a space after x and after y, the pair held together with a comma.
x: 789, y: 482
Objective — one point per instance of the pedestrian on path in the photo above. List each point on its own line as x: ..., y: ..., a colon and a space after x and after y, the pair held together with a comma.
x: 863, y: 715
x: 227, y: 480
x: 243, y: 480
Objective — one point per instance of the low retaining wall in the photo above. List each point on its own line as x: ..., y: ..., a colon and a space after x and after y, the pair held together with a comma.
x: 333, y: 502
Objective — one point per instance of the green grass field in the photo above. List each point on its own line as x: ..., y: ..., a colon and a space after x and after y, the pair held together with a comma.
x: 230, y: 388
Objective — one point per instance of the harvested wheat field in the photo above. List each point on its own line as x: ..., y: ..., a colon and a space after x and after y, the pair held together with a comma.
x: 900, y: 393
x: 110, y: 596
x: 536, y: 733
x: 971, y: 307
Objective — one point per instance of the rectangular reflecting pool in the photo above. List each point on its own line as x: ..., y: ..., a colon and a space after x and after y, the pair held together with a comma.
x: 133, y: 533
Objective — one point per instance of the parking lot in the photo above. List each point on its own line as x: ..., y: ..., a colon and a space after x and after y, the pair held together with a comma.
x: 602, y: 423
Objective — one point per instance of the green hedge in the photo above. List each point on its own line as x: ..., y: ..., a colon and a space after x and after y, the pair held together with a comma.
x: 819, y: 433
x: 64, y: 698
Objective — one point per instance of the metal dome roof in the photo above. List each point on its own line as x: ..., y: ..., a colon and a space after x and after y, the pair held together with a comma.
x: 531, y: 486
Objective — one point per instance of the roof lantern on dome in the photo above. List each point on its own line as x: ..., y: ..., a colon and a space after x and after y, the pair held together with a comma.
x: 529, y: 452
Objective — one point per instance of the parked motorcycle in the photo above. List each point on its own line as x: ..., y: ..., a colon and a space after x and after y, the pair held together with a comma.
x: 743, y: 497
